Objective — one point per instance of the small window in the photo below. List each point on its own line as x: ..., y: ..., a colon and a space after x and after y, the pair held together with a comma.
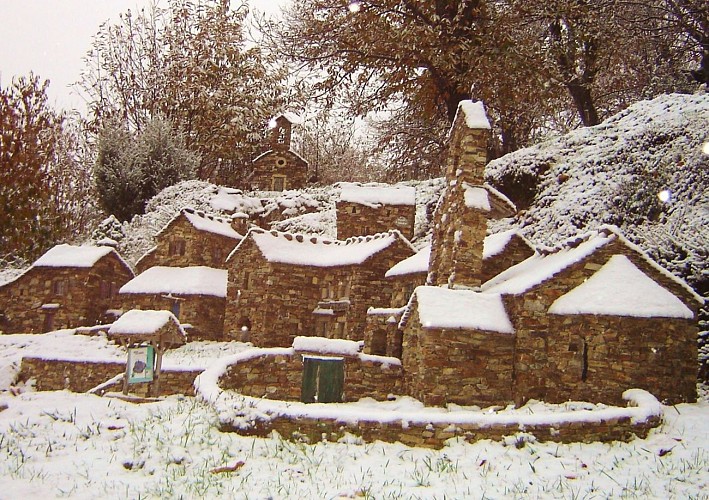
x: 175, y: 309
x: 177, y: 247
x: 217, y: 254
x: 105, y: 290
x: 354, y: 209
x: 281, y: 162
x: 59, y: 287
x: 247, y: 280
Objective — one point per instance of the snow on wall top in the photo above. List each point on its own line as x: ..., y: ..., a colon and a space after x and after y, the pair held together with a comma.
x: 417, y: 263
x: 142, y: 322
x: 324, y: 345
x: 198, y: 280
x: 619, y: 288
x: 211, y: 224
x: 474, y: 114
x: 465, y: 309
x: 375, y: 195
x: 311, y: 250
x: 539, y: 268
x: 290, y: 116
x: 476, y: 197
x: 72, y: 256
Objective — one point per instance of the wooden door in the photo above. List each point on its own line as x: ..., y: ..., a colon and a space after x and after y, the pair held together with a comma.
x: 323, y: 380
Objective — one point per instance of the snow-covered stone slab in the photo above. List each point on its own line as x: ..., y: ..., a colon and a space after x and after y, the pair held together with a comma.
x: 376, y: 194
x: 417, y: 263
x: 324, y: 345
x: 198, y: 280
x: 619, y: 288
x: 461, y: 309
x: 476, y: 197
x: 474, y: 114
x: 72, y: 256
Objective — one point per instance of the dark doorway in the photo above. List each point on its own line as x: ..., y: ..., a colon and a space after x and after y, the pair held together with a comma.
x: 323, y: 380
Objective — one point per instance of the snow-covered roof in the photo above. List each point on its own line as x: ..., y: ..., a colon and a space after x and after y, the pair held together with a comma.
x: 474, y: 114
x: 211, y: 224
x: 72, y: 256
x: 417, y: 263
x: 375, y: 195
x: 476, y: 197
x: 462, y: 309
x: 312, y: 250
x: 290, y: 116
x: 619, y: 288
x: 501, y: 198
x: 198, y: 280
x: 495, y: 244
x: 142, y: 322
x: 539, y: 268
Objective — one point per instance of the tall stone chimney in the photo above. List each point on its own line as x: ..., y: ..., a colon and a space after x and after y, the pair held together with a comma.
x: 460, y: 220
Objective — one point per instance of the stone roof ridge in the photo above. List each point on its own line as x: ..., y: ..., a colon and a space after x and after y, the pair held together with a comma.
x: 501, y: 196
x: 265, y: 153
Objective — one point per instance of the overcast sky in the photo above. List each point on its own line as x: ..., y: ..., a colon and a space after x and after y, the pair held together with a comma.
x: 50, y: 38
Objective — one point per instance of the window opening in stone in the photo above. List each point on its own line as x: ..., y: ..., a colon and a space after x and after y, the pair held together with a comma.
x: 584, y: 370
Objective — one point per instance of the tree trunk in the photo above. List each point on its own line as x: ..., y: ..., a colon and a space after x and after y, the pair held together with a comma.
x: 583, y: 101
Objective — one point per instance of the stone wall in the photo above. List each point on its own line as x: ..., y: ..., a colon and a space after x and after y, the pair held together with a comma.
x: 82, y: 300
x: 280, y: 377
x: 465, y: 367
x: 201, y: 248
x: 284, y: 164
x: 205, y: 313
x: 435, y: 435
x: 594, y: 358
x: 278, y: 302
x: 403, y: 286
x: 81, y: 376
x: 355, y: 219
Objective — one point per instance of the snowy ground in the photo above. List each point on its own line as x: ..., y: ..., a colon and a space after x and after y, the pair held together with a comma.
x: 60, y: 444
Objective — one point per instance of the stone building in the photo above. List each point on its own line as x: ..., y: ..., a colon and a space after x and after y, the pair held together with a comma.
x: 195, y: 295
x: 193, y: 238
x: 68, y: 286
x: 502, y: 251
x: 305, y: 285
x: 584, y: 322
x: 279, y: 168
x: 375, y: 208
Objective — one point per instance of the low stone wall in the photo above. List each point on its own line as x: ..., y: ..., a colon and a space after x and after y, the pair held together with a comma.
x: 430, y: 435
x: 81, y: 376
x: 280, y: 376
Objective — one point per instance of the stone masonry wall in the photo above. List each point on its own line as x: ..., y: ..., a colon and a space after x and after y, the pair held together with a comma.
x: 81, y: 376
x: 279, y: 163
x: 204, y: 312
x: 403, y: 286
x: 81, y: 302
x: 355, y: 219
x: 280, y: 377
x: 457, y: 366
x: 201, y: 248
x: 554, y: 354
x: 277, y: 301
x: 435, y: 435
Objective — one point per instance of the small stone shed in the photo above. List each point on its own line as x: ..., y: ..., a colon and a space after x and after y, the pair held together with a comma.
x: 159, y: 328
x: 306, y: 285
x: 195, y: 295
x: 68, y: 286
x: 193, y: 238
x: 279, y: 168
x: 364, y: 209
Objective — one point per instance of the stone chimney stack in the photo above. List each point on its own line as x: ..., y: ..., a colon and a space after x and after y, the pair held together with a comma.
x: 281, y: 133
x: 460, y: 220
